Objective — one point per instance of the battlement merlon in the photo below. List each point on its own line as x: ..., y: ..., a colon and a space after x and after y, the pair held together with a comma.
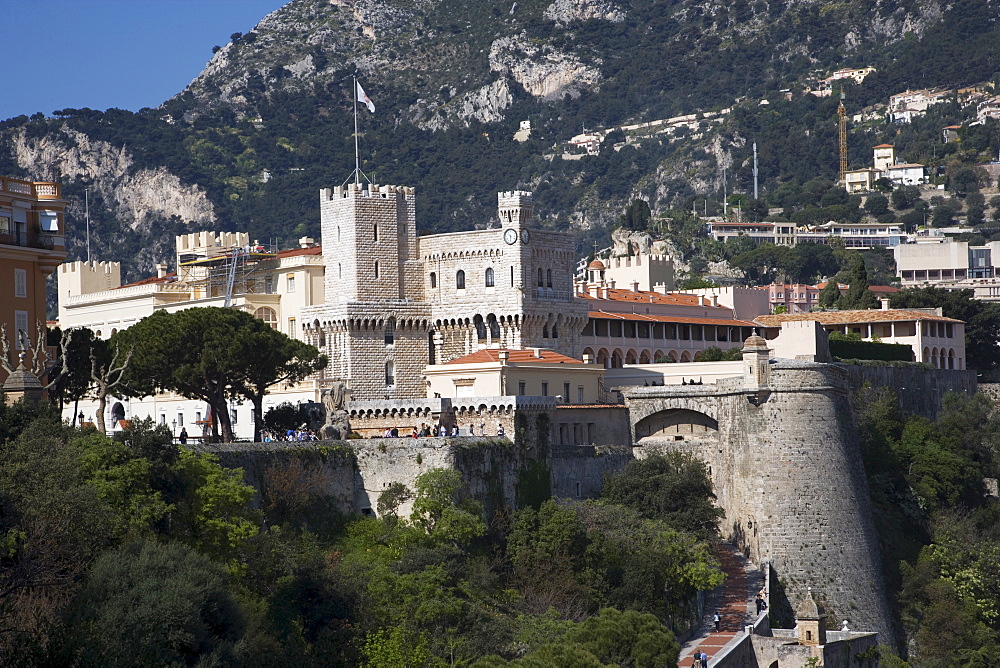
x: 83, y: 278
x: 371, y: 190
x: 514, y: 206
x: 200, y: 242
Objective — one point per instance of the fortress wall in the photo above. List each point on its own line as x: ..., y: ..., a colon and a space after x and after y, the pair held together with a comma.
x: 578, y: 470
x: 788, y: 475
x: 354, y: 473
x: 919, y: 390
x: 799, y: 495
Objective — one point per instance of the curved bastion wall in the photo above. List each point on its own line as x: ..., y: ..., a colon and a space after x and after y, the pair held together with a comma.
x: 786, y: 465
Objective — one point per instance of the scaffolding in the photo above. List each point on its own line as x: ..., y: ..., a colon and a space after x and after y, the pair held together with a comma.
x: 225, y: 272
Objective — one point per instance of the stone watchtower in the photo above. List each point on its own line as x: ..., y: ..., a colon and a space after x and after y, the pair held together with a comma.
x: 756, y: 361
x: 373, y: 325
x: 369, y: 243
x: 810, y: 622
x: 514, y: 208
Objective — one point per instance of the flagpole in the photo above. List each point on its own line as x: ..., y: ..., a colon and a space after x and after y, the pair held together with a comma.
x: 357, y: 154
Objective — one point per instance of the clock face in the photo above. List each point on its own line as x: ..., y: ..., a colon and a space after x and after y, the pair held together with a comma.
x: 525, y: 236
x: 510, y: 236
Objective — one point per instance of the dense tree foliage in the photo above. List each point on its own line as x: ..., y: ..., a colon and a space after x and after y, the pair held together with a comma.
x: 213, y: 354
x: 135, y: 551
x: 940, y: 533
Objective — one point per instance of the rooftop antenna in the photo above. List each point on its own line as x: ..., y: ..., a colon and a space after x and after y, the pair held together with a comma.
x: 87, y: 200
x: 755, y: 170
x: 842, y: 122
x: 725, y: 201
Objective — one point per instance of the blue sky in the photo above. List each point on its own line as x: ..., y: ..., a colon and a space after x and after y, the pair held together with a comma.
x: 111, y: 53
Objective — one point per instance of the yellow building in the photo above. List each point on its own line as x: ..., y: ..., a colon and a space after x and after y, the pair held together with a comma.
x: 497, y: 372
x: 31, y: 247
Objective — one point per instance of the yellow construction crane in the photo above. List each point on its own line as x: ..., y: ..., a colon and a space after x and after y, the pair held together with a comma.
x: 842, y: 121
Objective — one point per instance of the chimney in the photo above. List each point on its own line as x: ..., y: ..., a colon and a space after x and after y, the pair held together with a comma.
x: 884, y: 301
x: 161, y: 269
x: 588, y: 358
x: 715, y: 300
x: 594, y: 291
x: 605, y: 294
x: 307, y: 242
x: 611, y: 284
x: 635, y: 286
x: 504, y: 357
x: 537, y: 352
x: 661, y: 288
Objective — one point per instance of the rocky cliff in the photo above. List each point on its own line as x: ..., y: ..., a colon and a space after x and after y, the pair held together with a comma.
x: 269, y: 121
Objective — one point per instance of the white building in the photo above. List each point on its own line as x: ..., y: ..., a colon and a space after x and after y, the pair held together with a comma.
x: 934, y: 339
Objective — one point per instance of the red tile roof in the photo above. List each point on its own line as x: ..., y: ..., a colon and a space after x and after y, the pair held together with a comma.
x: 683, y: 320
x: 883, y: 146
x: 851, y: 317
x: 644, y: 297
x: 295, y: 252
x: 516, y: 356
x: 169, y: 278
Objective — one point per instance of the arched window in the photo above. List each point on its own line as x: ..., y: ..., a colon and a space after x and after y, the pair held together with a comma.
x: 548, y: 278
x: 555, y: 331
x: 390, y: 373
x: 434, y: 279
x: 541, y: 282
x: 460, y: 279
x: 268, y: 315
x: 545, y: 331
x: 375, y: 232
x: 489, y: 277
x: 390, y: 331
x: 376, y: 268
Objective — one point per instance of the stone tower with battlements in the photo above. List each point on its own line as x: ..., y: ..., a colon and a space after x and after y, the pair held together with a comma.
x: 369, y: 243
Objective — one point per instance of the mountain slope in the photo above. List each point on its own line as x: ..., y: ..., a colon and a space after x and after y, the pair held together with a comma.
x: 250, y: 141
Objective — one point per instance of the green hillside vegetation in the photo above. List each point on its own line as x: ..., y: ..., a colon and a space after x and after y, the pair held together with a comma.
x: 681, y: 59
x: 134, y: 552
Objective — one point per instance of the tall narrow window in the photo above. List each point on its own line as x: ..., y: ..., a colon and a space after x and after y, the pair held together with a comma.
x: 566, y: 396
x: 541, y: 282
x: 460, y: 279
x: 290, y: 282
x: 20, y: 329
x: 375, y: 232
x: 376, y: 268
x: 434, y: 279
x: 21, y: 283
x: 390, y: 331
x: 548, y: 278
x: 511, y: 275
x: 489, y: 277
x: 390, y: 373
x: 520, y: 388
x: 545, y: 389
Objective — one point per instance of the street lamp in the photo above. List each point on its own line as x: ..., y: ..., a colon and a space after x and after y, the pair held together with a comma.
x: 173, y: 431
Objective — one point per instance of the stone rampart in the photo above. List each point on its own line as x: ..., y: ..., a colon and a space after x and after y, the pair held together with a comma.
x: 786, y: 467
x: 354, y: 473
x: 918, y: 389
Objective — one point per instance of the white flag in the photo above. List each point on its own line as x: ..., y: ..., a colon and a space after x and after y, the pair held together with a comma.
x: 363, y: 97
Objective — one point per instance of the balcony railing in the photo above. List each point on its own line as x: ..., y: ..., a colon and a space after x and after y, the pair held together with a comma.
x: 41, y: 240
x: 35, y: 189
